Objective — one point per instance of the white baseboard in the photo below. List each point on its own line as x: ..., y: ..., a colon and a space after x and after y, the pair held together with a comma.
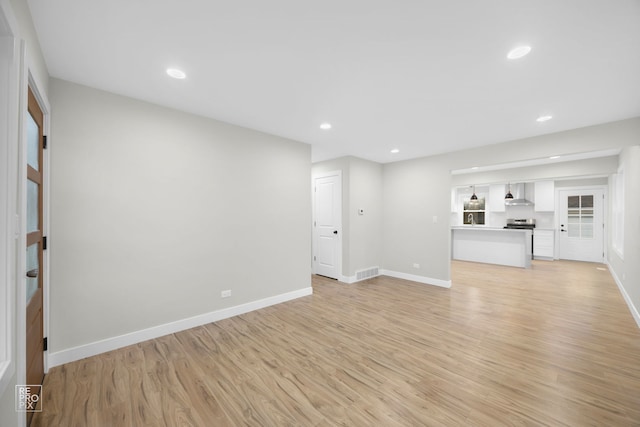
x: 102, y: 346
x: 347, y: 279
x: 362, y: 274
x: 416, y: 278
x: 625, y: 295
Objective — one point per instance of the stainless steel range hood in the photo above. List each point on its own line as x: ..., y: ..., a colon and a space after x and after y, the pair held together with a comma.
x: 519, y: 198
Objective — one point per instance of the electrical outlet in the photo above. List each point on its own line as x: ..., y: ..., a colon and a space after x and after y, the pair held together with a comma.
x: 416, y: 265
x: 225, y: 294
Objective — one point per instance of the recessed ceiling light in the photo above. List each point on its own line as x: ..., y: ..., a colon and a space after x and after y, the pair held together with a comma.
x: 518, y: 52
x: 554, y: 157
x: 543, y: 118
x: 176, y: 74
x: 325, y: 126
x: 395, y: 151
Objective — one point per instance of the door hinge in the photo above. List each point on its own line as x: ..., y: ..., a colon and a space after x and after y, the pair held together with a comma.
x: 44, y: 243
x: 314, y: 223
x: 44, y: 142
x: 45, y: 344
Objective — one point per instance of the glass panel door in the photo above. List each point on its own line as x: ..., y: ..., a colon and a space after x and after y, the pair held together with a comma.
x: 580, y: 216
x: 581, y: 232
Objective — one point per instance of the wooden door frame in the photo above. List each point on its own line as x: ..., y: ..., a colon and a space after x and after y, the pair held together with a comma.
x: 43, y: 102
x: 605, y: 216
x: 314, y: 240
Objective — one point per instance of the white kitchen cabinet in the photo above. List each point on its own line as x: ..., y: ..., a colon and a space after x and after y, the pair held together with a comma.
x: 545, y: 197
x: 543, y: 243
x: 492, y: 245
x: 496, y: 197
x: 454, y: 200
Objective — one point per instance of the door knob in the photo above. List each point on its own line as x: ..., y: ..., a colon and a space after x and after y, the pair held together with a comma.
x: 32, y: 273
x: 335, y: 231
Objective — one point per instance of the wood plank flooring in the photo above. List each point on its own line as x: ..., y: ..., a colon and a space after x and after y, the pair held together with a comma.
x: 552, y: 345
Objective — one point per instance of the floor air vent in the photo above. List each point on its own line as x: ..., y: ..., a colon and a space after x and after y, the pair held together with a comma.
x: 366, y: 274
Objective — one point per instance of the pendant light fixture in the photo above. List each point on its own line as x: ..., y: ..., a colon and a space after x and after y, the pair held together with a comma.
x: 473, y: 196
x: 509, y: 196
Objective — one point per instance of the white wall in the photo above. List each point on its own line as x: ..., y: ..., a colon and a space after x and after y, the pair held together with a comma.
x: 602, y: 166
x: 35, y: 58
x: 154, y: 212
x: 415, y: 192
x: 585, y: 182
x: 627, y: 268
x: 618, y: 134
x: 365, y: 234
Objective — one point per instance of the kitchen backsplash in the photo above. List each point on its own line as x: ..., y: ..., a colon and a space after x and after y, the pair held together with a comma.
x: 499, y: 219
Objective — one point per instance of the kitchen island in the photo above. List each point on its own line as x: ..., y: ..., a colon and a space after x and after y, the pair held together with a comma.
x: 491, y: 245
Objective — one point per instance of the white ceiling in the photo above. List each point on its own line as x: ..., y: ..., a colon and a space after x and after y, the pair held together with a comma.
x: 425, y: 77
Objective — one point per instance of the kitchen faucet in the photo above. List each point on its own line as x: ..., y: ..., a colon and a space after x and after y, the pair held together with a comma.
x: 470, y: 219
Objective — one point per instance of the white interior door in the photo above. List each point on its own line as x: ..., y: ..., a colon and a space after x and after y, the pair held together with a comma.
x: 581, y: 219
x: 327, y: 225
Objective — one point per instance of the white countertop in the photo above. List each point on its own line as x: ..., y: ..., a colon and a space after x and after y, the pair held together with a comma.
x: 483, y: 228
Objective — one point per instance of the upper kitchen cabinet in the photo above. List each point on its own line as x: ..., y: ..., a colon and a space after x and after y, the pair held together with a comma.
x: 545, y: 199
x: 454, y: 200
x: 496, y: 197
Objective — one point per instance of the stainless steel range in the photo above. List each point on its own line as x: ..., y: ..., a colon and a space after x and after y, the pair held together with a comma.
x: 522, y: 224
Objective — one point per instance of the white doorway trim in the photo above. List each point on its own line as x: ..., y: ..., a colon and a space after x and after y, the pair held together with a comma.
x: 9, y: 107
x: 314, y: 234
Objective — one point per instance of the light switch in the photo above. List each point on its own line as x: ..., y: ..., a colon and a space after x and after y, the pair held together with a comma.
x: 435, y: 219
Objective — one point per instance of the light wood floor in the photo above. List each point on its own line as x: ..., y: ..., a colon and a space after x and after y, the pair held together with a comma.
x: 554, y: 345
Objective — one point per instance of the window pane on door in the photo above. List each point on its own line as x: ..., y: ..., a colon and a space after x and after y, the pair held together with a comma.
x: 574, y: 230
x: 587, y: 202
x: 32, y: 207
x: 33, y: 143
x: 32, y: 263
x: 573, y: 201
x: 580, y: 217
